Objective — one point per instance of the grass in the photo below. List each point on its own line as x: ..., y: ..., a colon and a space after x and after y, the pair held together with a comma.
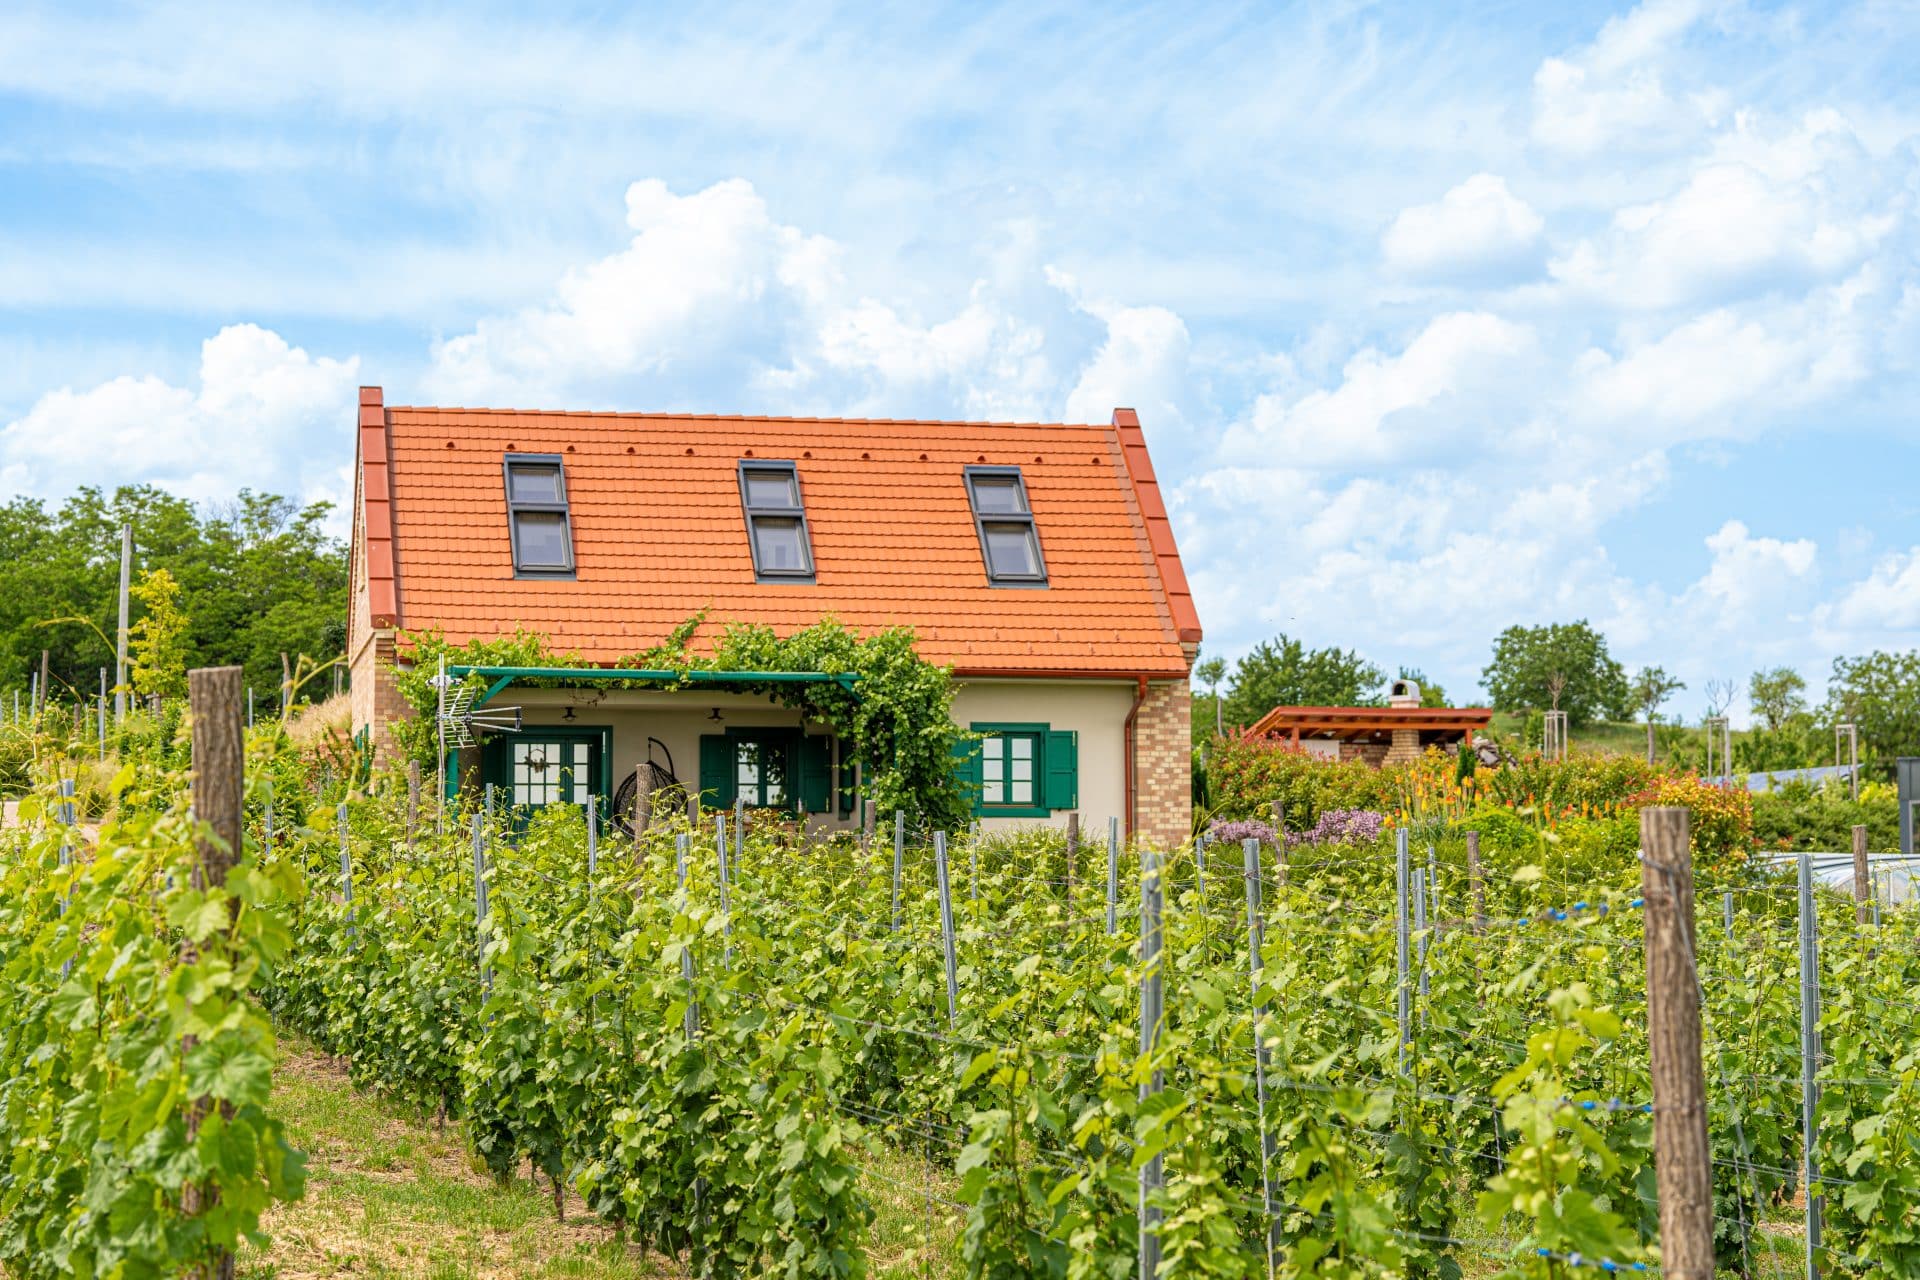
x: 391, y: 1194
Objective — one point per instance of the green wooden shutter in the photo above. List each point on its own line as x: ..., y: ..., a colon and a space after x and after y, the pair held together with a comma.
x: 1061, y: 755
x: 966, y: 768
x: 716, y: 770
x: 847, y: 788
x: 816, y: 773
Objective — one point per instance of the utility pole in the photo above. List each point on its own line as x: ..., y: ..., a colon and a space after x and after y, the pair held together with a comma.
x: 1683, y: 1161
x: 120, y: 644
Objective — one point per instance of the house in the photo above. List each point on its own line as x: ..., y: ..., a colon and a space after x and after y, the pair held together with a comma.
x: 1399, y: 731
x: 1036, y: 560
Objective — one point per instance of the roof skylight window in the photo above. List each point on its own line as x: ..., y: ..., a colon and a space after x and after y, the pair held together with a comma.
x: 538, y: 522
x: 1009, y: 543
x: 776, y: 522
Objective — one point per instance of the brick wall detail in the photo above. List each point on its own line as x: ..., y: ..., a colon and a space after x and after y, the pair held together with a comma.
x: 377, y: 702
x: 1163, y: 754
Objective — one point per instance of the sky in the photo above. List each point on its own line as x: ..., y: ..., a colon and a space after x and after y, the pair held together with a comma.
x: 1439, y: 318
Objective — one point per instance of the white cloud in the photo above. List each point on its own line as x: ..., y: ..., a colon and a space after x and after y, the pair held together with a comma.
x: 1477, y: 230
x: 265, y: 415
x: 1732, y: 230
x: 1882, y: 608
x: 1390, y: 408
x: 1611, y: 93
x: 1754, y: 581
x: 705, y: 271
x: 1143, y: 364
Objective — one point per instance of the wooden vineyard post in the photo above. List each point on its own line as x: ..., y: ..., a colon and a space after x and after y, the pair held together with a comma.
x: 1113, y: 876
x: 869, y: 825
x: 1683, y: 1161
x: 1152, y: 1010
x: 1256, y: 961
x: 899, y: 852
x: 682, y: 845
x: 1280, y: 840
x: 1073, y: 853
x: 1479, y: 879
x: 480, y: 903
x: 1862, y: 882
x: 1810, y: 1060
x: 214, y: 695
x: 642, y: 801
x: 1403, y: 1005
x: 346, y: 868
x: 413, y: 801
x: 946, y: 928
x: 44, y: 692
x: 693, y: 810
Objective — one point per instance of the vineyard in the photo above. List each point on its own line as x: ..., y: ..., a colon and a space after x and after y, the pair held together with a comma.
x: 1416, y: 1049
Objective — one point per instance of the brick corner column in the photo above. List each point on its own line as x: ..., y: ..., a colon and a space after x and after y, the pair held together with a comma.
x: 1163, y: 754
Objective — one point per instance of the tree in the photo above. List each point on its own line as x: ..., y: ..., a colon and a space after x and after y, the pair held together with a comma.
x: 1527, y: 660
x: 1777, y: 696
x: 1210, y: 673
x: 157, y: 641
x: 256, y: 575
x: 1284, y: 672
x: 1651, y: 687
x: 1880, y: 695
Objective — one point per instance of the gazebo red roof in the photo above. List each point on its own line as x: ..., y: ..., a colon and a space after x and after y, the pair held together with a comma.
x: 1366, y: 722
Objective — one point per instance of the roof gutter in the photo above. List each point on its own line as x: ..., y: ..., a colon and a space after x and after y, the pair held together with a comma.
x: 1133, y: 755
x: 504, y: 676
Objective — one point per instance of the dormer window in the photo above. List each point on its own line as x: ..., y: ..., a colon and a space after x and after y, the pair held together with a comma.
x: 1009, y: 544
x: 537, y: 519
x: 776, y: 522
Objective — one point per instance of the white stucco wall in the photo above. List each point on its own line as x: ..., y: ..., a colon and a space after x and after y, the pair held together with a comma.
x: 1096, y: 709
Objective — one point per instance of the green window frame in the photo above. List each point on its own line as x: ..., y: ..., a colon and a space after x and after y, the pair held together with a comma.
x: 504, y: 764
x: 1020, y: 769
x: 768, y: 768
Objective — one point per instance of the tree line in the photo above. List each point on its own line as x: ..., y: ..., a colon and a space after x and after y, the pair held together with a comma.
x: 1567, y: 667
x: 234, y: 583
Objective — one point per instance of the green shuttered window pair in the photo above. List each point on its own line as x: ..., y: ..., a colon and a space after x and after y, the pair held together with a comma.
x: 768, y: 769
x: 1020, y: 770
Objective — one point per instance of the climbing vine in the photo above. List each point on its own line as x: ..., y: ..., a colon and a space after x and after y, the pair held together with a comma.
x: 897, y: 717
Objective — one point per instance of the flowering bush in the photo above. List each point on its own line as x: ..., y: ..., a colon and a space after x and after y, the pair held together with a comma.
x: 1246, y: 776
x: 1342, y: 826
x: 1224, y: 832
x: 1722, y: 819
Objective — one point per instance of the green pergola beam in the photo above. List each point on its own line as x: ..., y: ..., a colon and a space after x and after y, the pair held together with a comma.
x: 504, y: 676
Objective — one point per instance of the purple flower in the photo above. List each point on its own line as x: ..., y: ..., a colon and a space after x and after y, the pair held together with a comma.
x: 1234, y: 832
x: 1342, y: 826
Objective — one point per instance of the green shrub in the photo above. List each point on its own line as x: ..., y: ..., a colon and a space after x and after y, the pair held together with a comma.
x: 1802, y: 818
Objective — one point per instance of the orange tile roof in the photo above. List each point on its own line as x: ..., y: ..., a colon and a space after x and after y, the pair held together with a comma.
x: 658, y: 534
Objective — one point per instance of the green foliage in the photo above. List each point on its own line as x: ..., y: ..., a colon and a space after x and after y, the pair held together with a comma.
x: 1245, y: 776
x: 1526, y: 660
x: 1800, y: 817
x: 1284, y: 672
x: 137, y: 1066
x: 1652, y: 686
x: 898, y: 717
x: 156, y: 642
x: 1880, y: 693
x: 1777, y: 696
x: 257, y: 576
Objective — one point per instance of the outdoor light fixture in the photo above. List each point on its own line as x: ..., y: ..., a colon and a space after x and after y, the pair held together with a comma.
x: 568, y: 715
x: 714, y: 714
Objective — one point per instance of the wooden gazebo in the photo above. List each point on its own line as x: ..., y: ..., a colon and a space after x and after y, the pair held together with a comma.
x: 1374, y: 734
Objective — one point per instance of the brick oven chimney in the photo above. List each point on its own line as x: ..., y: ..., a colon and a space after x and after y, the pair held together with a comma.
x: 1404, y: 695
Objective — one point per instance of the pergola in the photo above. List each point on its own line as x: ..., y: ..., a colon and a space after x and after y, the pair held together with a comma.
x: 1437, y: 726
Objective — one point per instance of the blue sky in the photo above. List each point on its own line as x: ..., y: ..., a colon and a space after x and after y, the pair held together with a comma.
x: 1438, y: 319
